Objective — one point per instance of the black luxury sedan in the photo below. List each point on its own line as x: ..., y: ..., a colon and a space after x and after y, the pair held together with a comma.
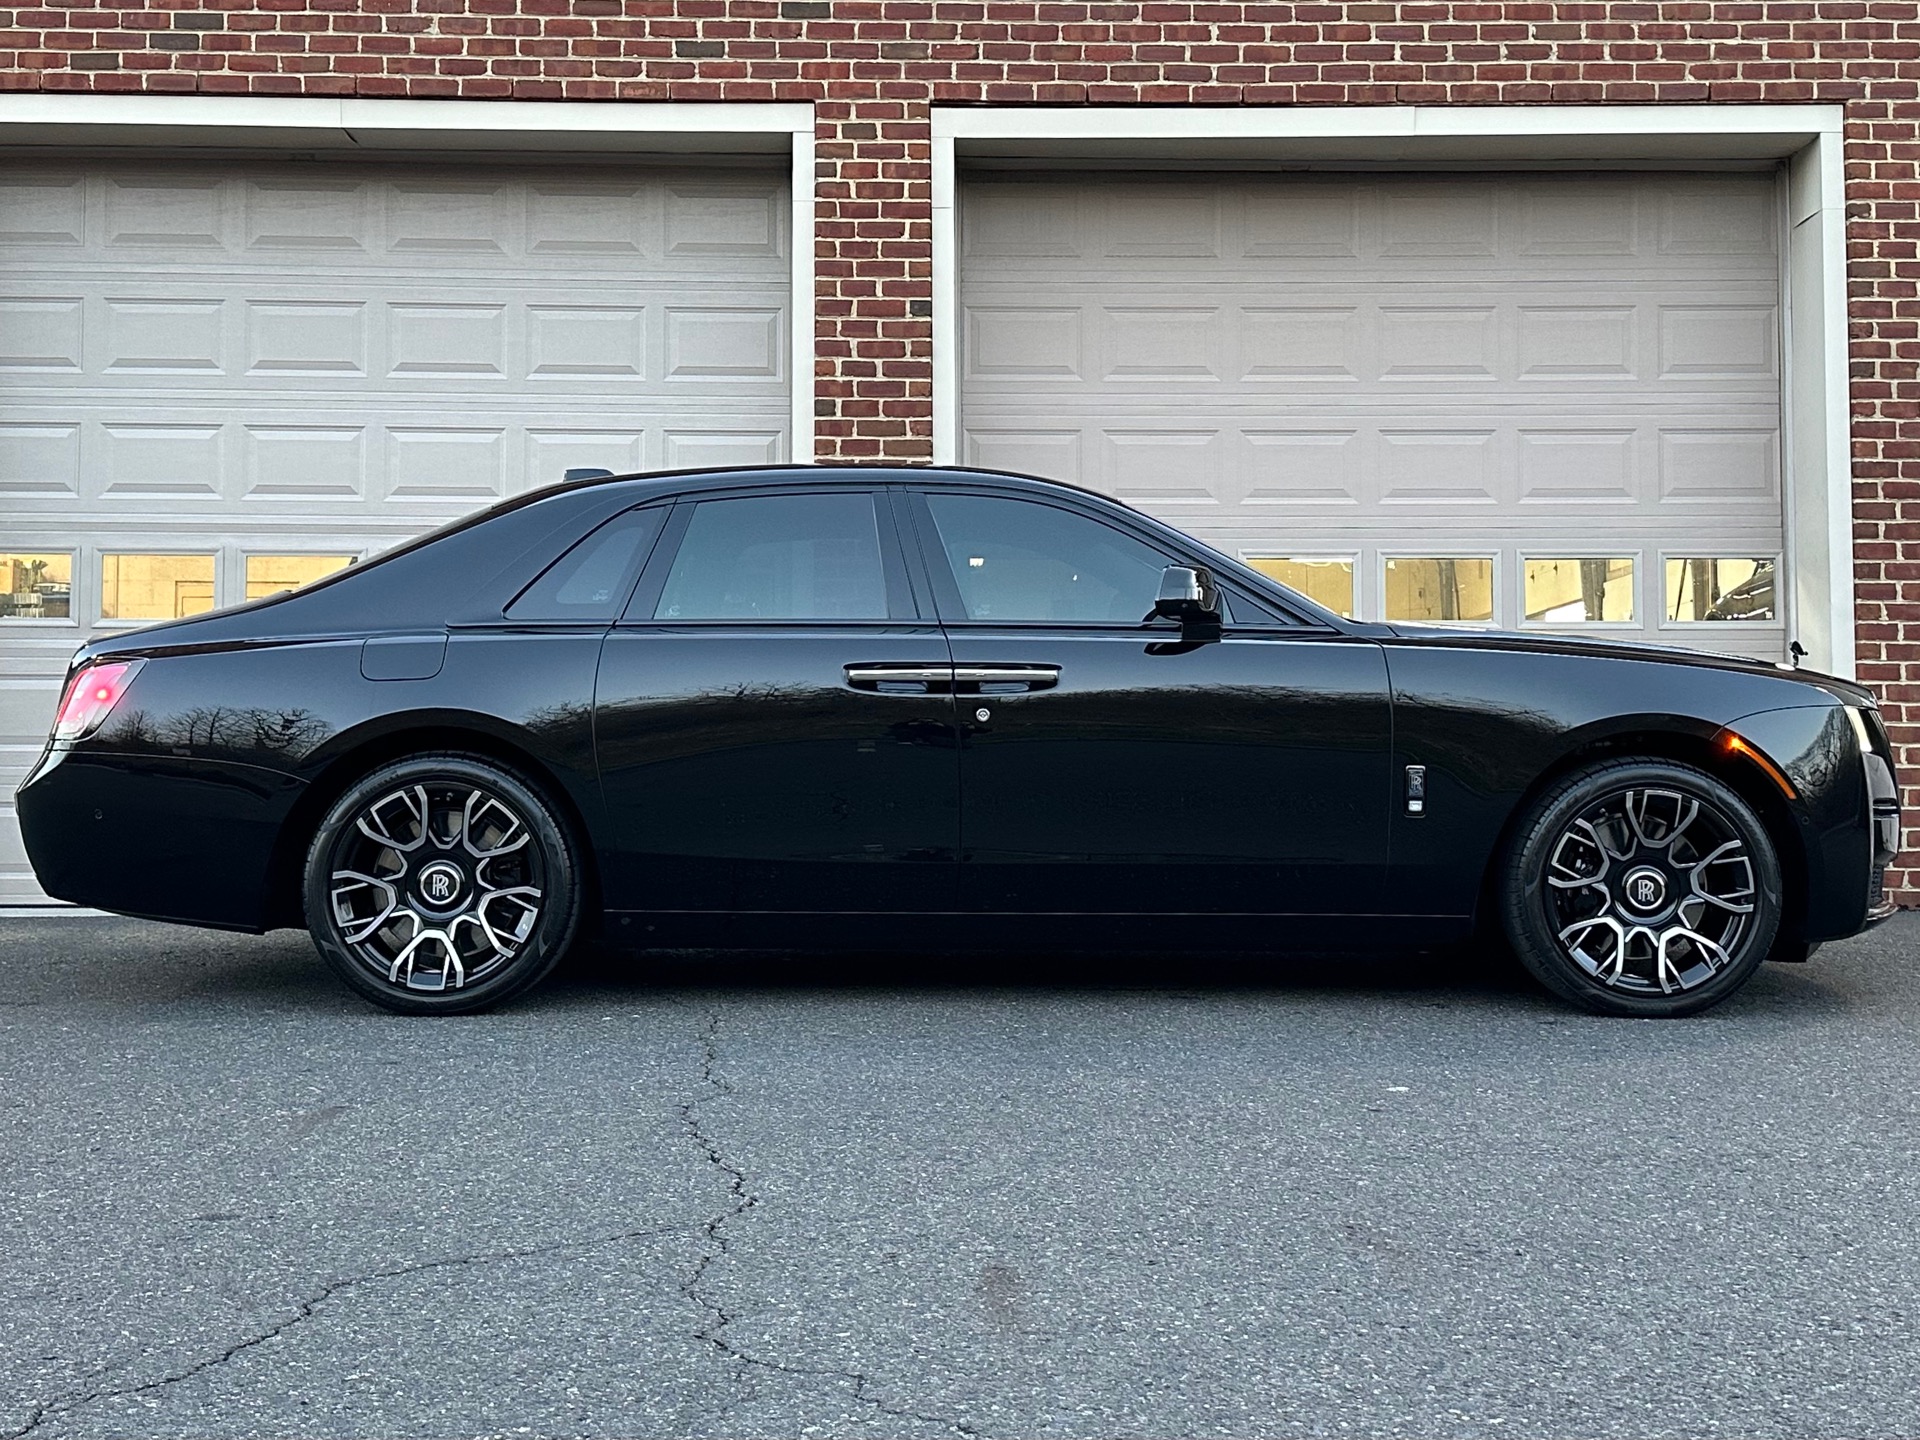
x: 912, y: 707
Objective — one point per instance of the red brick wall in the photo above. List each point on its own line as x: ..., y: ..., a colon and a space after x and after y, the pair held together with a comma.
x: 873, y: 67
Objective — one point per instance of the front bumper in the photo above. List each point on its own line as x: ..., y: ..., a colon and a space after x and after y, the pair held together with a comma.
x: 160, y: 837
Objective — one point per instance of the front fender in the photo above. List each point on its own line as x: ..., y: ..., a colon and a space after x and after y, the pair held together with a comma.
x: 1814, y: 751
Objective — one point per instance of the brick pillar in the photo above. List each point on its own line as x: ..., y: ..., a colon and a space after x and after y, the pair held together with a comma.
x: 873, y: 281
x: 1883, y: 281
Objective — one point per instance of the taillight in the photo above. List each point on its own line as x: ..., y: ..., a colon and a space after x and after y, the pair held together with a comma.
x: 91, y: 695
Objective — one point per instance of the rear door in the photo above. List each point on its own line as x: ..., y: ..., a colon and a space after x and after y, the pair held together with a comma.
x: 774, y: 719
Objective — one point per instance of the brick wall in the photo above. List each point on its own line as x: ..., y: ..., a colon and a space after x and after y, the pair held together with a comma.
x: 873, y: 67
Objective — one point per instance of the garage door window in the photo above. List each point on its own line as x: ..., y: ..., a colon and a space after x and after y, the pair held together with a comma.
x: 1582, y: 590
x: 1715, y: 588
x: 1440, y: 588
x: 155, y: 587
x: 38, y: 587
x: 270, y: 574
x: 1328, y: 582
x: 778, y: 557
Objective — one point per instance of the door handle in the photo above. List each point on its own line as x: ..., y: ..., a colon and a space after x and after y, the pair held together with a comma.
x: 1001, y: 679
x: 900, y: 679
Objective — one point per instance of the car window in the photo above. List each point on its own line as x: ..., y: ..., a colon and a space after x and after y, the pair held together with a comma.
x: 778, y: 557
x: 591, y: 581
x: 1017, y: 560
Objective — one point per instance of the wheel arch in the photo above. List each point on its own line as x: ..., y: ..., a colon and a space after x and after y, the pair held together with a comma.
x: 1691, y: 746
x: 360, y: 753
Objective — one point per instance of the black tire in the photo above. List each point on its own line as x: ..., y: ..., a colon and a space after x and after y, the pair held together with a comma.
x: 474, y: 914
x: 1601, y: 889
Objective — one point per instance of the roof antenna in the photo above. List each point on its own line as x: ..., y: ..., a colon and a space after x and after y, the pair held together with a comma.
x: 587, y: 472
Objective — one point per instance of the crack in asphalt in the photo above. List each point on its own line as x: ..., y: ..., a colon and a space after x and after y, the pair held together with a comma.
x: 305, y: 1310
x: 741, y: 1199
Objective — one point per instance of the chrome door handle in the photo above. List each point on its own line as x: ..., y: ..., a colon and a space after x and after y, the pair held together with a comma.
x: 923, y: 676
x: 1032, y: 677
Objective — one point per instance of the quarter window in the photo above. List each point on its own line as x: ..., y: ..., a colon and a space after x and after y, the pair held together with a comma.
x: 591, y: 581
x: 778, y: 557
x: 1016, y: 560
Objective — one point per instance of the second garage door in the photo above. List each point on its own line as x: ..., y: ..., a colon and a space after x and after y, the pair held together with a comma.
x: 1532, y: 399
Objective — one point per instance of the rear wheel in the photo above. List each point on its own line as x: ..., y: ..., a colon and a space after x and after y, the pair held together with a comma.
x: 1642, y: 887
x: 442, y: 884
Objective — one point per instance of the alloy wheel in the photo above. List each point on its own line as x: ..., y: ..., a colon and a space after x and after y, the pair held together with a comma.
x: 436, y: 885
x: 1651, y: 891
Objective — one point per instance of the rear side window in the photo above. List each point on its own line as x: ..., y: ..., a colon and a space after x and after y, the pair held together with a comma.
x: 778, y: 557
x: 591, y: 581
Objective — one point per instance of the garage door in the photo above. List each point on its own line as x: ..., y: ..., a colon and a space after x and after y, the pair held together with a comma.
x: 217, y: 381
x: 1543, y: 400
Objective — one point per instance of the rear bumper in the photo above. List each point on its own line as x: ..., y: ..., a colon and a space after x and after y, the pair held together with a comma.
x: 162, y: 838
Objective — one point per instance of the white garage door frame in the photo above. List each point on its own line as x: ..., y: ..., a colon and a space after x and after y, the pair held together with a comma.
x: 1807, y: 138
x: 187, y: 125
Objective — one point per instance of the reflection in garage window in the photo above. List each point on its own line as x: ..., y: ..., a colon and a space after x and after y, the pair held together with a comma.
x: 778, y: 557
x: 1435, y: 587
x: 1328, y: 582
x: 1720, y: 588
x: 1580, y: 591
x: 155, y: 587
x: 38, y: 587
x: 270, y: 574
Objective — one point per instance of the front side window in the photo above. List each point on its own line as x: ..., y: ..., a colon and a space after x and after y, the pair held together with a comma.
x: 778, y: 557
x: 1021, y: 561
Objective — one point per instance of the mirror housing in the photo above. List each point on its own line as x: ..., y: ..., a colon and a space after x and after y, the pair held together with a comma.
x: 1188, y: 594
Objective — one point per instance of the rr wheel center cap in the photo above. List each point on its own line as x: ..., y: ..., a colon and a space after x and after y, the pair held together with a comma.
x: 1644, y: 889
x: 440, y: 884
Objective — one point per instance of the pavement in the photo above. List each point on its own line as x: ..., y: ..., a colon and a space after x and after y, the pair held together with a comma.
x: 768, y: 1195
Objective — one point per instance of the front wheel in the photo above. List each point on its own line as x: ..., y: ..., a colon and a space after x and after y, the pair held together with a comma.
x: 441, y: 885
x: 1642, y: 887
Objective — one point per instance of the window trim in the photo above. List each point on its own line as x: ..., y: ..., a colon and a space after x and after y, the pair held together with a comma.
x: 100, y: 618
x: 902, y: 606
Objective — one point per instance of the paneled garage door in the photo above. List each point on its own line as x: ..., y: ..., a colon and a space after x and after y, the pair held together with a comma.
x: 1524, y: 399
x: 219, y: 380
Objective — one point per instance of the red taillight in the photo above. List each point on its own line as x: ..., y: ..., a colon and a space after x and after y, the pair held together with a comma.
x: 91, y: 695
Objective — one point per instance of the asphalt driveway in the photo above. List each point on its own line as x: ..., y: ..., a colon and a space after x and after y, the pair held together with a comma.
x: 766, y: 1196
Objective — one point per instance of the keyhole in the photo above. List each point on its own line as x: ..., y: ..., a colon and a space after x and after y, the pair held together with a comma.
x: 983, y: 714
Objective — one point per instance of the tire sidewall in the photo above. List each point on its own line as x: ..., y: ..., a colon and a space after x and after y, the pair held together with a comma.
x: 559, y: 917
x: 1527, y: 913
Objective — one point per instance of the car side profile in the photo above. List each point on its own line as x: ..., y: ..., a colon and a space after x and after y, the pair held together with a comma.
x: 931, y: 705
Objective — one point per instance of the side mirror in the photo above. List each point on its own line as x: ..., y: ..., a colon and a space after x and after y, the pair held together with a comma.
x: 1189, y: 595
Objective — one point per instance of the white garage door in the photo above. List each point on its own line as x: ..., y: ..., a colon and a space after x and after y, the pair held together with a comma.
x: 1529, y: 399
x: 216, y: 381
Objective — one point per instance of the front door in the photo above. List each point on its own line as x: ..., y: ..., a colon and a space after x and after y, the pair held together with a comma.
x: 774, y: 720
x: 1107, y: 768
